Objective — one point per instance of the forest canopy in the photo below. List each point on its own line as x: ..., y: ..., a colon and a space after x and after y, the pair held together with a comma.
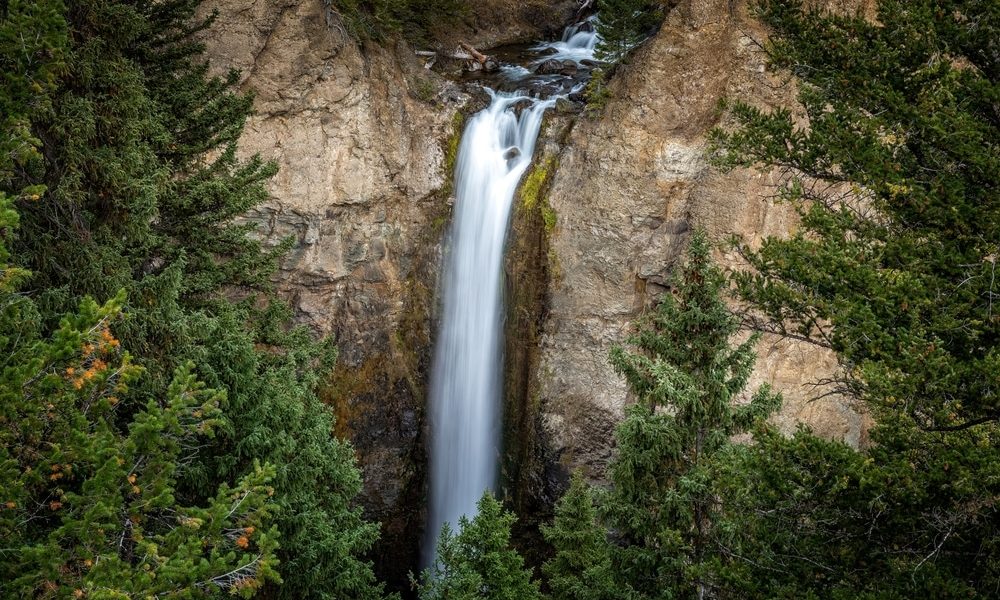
x: 160, y: 430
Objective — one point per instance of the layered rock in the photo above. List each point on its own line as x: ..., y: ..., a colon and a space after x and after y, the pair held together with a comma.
x: 361, y: 168
x: 633, y: 182
x: 361, y: 134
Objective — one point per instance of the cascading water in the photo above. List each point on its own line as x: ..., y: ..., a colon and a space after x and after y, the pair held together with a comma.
x: 495, y: 151
x: 466, y: 380
x: 577, y: 43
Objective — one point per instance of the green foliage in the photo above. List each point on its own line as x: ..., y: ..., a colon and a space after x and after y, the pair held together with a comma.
x: 89, y: 504
x: 896, y: 274
x: 820, y: 520
x: 138, y: 187
x: 29, y: 65
x: 581, y: 567
x: 624, y: 24
x: 378, y: 19
x: 662, y: 509
x: 895, y: 176
x: 596, y: 92
x: 686, y: 377
x: 478, y: 561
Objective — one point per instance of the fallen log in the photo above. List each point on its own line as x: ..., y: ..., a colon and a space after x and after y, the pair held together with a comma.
x: 488, y: 63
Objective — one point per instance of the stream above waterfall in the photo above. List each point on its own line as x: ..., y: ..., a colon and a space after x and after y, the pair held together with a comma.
x: 495, y: 151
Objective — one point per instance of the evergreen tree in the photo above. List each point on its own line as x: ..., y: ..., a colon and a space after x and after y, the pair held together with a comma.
x: 478, y: 562
x: 581, y: 567
x: 668, y: 526
x: 29, y: 65
x: 661, y: 503
x: 895, y: 177
x: 894, y: 174
x: 378, y: 19
x: 137, y: 187
x: 89, y: 506
x: 624, y: 24
x: 818, y: 519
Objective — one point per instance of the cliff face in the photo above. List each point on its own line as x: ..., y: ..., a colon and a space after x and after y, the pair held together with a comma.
x: 362, y: 136
x: 632, y: 184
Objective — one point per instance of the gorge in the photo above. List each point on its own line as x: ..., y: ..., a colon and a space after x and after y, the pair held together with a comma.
x: 499, y: 300
x: 366, y: 139
x: 466, y: 381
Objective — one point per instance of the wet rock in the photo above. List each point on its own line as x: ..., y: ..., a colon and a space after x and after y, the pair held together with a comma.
x: 566, y: 106
x: 569, y: 68
x: 550, y: 67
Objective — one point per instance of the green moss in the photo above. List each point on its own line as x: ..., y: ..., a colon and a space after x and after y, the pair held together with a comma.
x: 451, y: 150
x: 536, y: 184
x: 548, y: 216
x: 555, y: 267
x: 438, y: 224
x: 424, y: 89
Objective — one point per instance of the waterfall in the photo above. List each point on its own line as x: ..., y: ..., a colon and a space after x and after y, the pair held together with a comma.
x: 466, y: 378
x: 466, y: 381
x: 578, y: 43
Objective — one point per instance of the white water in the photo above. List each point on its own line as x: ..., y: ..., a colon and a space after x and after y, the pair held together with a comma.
x: 575, y: 45
x: 496, y: 150
x: 466, y: 378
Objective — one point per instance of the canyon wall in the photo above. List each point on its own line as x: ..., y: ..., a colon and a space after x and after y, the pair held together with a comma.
x: 632, y: 184
x: 364, y: 137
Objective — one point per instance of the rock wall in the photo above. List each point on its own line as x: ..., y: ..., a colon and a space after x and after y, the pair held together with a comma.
x: 632, y: 184
x: 362, y: 135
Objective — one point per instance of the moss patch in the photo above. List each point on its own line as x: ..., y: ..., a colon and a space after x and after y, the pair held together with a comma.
x: 534, y: 191
x: 536, y: 184
x: 451, y: 149
x: 549, y: 216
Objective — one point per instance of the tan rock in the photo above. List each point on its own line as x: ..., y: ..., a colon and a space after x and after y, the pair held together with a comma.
x: 360, y: 135
x: 632, y: 184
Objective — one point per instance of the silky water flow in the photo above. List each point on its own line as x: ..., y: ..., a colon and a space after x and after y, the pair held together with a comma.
x: 466, y: 379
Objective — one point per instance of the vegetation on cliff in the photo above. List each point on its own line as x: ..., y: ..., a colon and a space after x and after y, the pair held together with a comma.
x: 377, y: 19
x: 119, y: 181
x: 657, y: 527
x: 895, y: 175
x: 623, y: 25
x: 159, y: 431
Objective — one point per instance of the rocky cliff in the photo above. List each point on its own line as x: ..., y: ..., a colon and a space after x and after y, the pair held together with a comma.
x: 364, y: 136
x: 631, y: 185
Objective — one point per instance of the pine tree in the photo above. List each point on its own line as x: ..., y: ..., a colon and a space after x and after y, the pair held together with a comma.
x: 686, y: 377
x: 581, y: 567
x: 895, y: 176
x: 379, y: 19
x: 89, y: 506
x: 478, y: 562
x: 137, y: 187
x: 29, y: 65
x: 624, y: 24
